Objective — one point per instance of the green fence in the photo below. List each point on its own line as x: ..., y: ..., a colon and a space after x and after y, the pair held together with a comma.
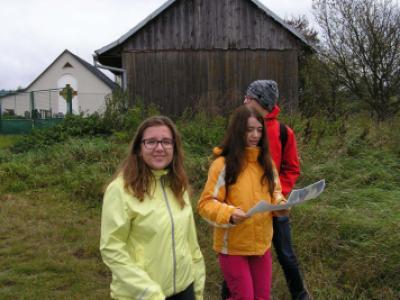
x: 25, y: 126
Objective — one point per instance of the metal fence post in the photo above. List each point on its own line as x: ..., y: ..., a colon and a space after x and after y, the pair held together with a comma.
x: 1, y: 115
x: 33, y: 113
x: 32, y: 97
x: 69, y: 99
x: 50, y: 110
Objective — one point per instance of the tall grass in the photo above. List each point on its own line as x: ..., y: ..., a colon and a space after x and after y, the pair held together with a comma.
x: 346, y: 240
x: 8, y: 140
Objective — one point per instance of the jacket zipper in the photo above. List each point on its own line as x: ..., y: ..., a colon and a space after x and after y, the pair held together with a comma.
x: 173, y: 232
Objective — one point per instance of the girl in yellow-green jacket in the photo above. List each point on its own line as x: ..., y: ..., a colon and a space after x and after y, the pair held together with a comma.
x: 148, y: 235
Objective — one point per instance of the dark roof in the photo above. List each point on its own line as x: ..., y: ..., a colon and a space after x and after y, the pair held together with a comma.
x: 4, y: 92
x: 7, y: 93
x: 88, y: 66
x: 168, y: 3
x: 95, y: 71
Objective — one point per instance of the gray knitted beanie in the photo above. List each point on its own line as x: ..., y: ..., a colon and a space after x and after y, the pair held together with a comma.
x: 265, y: 92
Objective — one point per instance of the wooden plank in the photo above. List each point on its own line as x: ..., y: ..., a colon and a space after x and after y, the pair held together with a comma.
x: 175, y: 80
x: 211, y: 24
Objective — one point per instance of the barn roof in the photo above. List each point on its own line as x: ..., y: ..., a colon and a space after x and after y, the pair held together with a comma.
x: 95, y: 71
x: 168, y: 3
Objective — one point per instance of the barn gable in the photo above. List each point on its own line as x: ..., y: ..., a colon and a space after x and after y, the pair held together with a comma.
x: 192, y: 53
x: 206, y: 24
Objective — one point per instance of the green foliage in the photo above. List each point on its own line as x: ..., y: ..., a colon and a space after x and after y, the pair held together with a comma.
x: 353, y: 224
x: 11, y: 116
x: 361, y: 41
x: 7, y: 141
x: 118, y: 119
x: 35, y: 114
x: 116, y: 107
x: 121, y: 116
x: 77, y: 167
x: 200, y: 134
x: 321, y: 89
x: 71, y: 126
x: 202, y: 131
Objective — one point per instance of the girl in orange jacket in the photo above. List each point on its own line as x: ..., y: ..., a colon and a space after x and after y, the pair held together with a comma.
x: 241, y: 175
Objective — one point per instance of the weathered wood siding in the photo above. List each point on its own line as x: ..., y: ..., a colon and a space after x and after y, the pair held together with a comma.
x: 212, y: 24
x: 177, y: 79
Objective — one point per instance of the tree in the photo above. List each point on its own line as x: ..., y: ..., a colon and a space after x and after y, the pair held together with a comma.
x: 301, y: 25
x: 320, y: 90
x: 361, y: 39
x: 319, y: 85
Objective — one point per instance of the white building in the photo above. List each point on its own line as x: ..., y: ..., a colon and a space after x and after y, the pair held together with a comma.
x: 91, y: 85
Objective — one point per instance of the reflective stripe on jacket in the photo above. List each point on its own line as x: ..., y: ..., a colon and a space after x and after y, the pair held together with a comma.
x: 151, y: 246
x: 252, y: 237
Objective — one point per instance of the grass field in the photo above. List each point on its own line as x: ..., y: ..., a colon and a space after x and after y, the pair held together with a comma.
x: 347, y: 240
x: 49, y: 249
x: 7, y: 140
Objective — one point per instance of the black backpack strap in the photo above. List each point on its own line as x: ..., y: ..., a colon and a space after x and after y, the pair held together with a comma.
x: 283, y: 136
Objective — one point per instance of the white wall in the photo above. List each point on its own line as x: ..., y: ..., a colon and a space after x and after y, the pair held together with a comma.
x: 19, y: 103
x: 91, y: 90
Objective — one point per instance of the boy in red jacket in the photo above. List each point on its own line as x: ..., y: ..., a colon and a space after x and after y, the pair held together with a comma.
x: 263, y: 96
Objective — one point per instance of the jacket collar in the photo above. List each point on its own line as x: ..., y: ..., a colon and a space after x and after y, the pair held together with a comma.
x: 159, y: 173
x: 273, y: 114
x: 252, y: 153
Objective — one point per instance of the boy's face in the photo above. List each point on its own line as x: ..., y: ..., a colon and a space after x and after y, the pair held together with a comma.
x: 254, y: 104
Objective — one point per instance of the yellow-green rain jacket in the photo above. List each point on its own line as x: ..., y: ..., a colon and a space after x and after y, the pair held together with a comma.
x: 151, y: 246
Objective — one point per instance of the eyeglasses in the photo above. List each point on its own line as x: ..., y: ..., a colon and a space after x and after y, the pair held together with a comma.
x: 151, y: 144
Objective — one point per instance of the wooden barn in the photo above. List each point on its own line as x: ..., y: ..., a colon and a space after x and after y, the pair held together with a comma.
x: 204, y: 53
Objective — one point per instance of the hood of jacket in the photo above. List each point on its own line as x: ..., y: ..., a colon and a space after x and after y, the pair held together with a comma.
x: 273, y: 114
x: 251, y: 153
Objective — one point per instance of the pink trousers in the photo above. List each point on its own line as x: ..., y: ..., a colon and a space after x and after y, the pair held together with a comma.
x: 247, y: 277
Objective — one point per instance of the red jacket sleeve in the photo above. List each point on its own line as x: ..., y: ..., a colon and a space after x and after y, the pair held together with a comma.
x: 290, y: 167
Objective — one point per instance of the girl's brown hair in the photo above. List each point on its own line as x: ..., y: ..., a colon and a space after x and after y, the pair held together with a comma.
x: 234, y: 146
x: 137, y: 175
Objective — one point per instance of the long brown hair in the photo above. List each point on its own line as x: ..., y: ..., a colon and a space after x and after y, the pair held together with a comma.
x: 235, y: 143
x: 137, y: 175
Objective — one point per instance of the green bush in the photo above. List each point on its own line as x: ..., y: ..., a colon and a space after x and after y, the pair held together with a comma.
x: 71, y: 126
x: 78, y: 167
x: 117, y: 120
x: 200, y: 134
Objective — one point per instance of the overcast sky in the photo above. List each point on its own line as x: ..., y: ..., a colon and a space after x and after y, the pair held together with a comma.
x: 34, y: 32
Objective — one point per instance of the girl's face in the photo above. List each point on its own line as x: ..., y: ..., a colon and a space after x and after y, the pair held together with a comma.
x: 254, y: 132
x: 157, y: 147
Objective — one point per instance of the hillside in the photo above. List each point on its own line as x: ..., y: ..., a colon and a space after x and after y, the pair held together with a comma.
x: 347, y: 240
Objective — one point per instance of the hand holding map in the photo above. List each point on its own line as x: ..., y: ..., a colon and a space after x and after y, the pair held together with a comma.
x: 296, y: 196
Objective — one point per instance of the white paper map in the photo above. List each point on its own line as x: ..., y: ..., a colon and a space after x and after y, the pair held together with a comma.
x: 296, y: 197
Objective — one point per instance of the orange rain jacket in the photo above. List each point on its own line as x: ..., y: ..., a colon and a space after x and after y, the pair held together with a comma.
x: 254, y: 236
